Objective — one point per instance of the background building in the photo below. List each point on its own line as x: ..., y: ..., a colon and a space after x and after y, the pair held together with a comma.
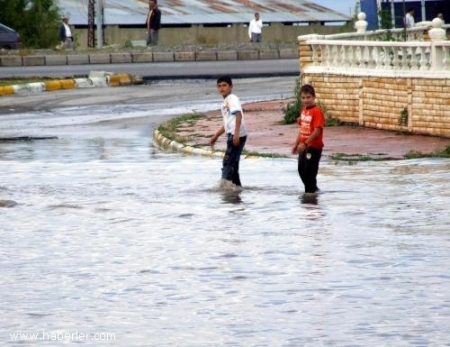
x: 424, y: 10
x: 200, y: 21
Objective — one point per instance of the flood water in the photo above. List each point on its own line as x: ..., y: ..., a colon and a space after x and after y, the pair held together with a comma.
x: 111, y: 238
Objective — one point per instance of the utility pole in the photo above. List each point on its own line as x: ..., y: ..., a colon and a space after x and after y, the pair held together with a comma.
x: 99, y: 21
x: 91, y: 22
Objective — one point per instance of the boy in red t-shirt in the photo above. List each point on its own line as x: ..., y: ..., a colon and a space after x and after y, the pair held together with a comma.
x: 309, y: 141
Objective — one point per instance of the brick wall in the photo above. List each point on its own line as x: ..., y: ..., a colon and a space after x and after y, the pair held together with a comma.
x: 378, y: 102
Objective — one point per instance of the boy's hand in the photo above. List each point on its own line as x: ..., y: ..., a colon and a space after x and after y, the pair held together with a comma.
x: 236, y: 141
x: 212, y: 140
x: 299, y: 149
x: 294, y: 149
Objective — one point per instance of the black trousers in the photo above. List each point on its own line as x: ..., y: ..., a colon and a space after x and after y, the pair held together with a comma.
x: 230, y: 163
x: 308, y: 167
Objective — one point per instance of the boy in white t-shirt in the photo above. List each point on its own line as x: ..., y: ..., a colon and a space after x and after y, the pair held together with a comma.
x: 234, y: 127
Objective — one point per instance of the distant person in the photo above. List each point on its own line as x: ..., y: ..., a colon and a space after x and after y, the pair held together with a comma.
x: 309, y: 142
x: 234, y: 127
x: 153, y: 23
x: 255, y: 29
x: 409, y: 19
x: 65, y: 34
x: 441, y: 17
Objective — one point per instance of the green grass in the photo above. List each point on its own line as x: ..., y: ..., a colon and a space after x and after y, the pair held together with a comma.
x: 444, y: 153
x: 169, y: 129
x: 262, y: 155
x: 351, y: 158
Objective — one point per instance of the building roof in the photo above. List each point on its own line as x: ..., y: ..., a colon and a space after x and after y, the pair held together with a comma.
x: 178, y: 12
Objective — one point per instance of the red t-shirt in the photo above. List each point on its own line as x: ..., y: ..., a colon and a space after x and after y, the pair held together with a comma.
x: 310, y: 119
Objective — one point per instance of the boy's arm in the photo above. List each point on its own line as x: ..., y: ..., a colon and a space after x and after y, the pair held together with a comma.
x: 297, y: 143
x: 158, y: 19
x: 260, y: 24
x: 214, y: 138
x: 237, y: 128
x: 315, y: 134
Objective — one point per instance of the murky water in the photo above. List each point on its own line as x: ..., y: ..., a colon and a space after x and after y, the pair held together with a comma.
x: 111, y: 236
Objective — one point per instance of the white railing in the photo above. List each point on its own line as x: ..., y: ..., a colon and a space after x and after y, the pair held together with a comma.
x: 379, y: 55
x: 372, y: 52
x: 397, y: 34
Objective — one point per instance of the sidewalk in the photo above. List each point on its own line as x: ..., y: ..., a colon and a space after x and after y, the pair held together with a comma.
x: 268, y: 135
x: 183, y: 53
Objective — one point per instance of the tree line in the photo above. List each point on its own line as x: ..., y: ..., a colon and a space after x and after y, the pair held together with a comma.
x: 37, y: 21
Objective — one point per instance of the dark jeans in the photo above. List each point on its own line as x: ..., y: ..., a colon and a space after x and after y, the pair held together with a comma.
x: 256, y: 37
x: 230, y: 165
x: 308, y: 167
x: 153, y: 38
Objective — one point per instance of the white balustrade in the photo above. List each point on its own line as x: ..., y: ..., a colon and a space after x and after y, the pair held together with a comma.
x: 373, y: 55
x: 369, y: 51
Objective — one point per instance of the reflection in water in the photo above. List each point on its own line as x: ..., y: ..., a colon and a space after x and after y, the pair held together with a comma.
x: 309, y: 198
x: 115, y: 236
x: 231, y: 197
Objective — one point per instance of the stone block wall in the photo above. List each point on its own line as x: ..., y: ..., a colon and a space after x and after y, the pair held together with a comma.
x: 380, y: 101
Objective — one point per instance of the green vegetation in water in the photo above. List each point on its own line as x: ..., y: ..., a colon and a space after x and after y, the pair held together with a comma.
x: 262, y: 155
x: 352, y: 158
x: 169, y: 129
x: 444, y: 153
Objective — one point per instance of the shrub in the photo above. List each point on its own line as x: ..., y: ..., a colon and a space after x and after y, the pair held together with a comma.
x: 292, y: 110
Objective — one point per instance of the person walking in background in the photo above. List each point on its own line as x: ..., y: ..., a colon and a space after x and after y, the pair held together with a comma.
x: 255, y: 29
x: 65, y: 34
x: 409, y: 19
x: 234, y: 127
x: 153, y: 23
x: 309, y: 142
x: 441, y: 17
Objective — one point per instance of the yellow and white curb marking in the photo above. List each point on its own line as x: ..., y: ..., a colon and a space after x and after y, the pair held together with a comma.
x: 169, y: 145
x: 95, y: 79
x: 166, y: 144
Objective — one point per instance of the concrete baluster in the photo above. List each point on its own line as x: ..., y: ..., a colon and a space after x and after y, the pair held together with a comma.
x: 361, y: 23
x: 437, y: 34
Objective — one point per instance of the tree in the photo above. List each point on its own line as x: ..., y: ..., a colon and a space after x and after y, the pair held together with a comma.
x: 12, y: 13
x: 37, y: 21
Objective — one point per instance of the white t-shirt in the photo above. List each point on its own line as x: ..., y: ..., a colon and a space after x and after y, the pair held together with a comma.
x: 409, y: 21
x: 255, y: 26
x: 230, y: 106
x: 68, y: 32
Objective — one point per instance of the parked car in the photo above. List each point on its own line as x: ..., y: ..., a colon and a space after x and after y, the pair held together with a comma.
x: 9, y: 38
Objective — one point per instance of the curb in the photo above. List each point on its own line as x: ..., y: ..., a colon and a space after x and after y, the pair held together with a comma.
x: 166, y: 144
x: 149, y: 57
x: 95, y: 79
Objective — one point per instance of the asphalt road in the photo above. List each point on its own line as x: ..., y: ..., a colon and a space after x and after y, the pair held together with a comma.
x: 162, y: 94
x: 171, y: 70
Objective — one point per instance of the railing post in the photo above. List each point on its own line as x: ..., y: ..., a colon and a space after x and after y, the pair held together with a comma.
x: 361, y: 23
x: 305, y: 51
x: 436, y: 34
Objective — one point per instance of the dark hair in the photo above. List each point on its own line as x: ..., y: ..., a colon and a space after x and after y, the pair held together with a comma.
x: 226, y: 79
x: 308, y: 89
x: 410, y: 9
